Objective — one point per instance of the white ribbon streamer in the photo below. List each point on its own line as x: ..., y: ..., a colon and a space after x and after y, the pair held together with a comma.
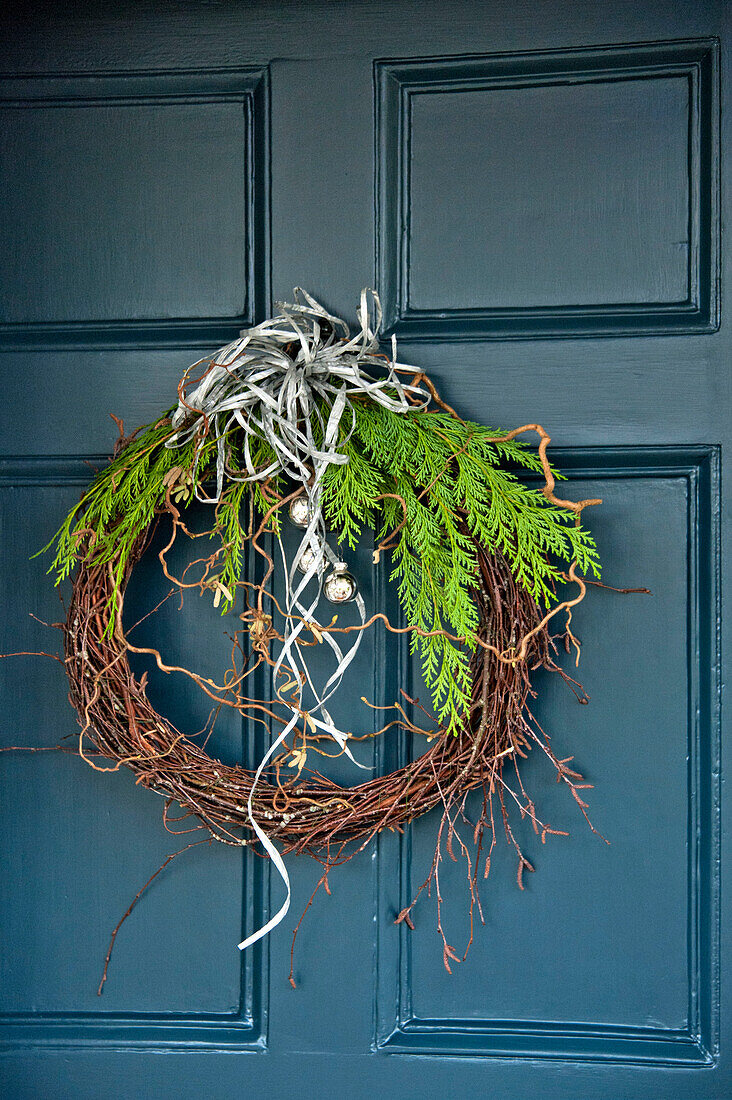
x: 297, y: 371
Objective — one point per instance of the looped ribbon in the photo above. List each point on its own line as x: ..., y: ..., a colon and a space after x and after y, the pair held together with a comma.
x: 291, y: 381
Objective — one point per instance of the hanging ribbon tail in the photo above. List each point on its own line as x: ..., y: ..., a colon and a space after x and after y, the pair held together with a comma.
x: 294, y: 382
x: 267, y: 844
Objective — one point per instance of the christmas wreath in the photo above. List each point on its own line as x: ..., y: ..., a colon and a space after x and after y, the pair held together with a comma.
x: 299, y: 425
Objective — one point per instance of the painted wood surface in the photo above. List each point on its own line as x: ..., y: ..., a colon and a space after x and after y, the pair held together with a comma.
x: 535, y: 191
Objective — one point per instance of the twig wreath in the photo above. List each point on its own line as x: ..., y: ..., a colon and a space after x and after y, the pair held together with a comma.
x: 298, y: 422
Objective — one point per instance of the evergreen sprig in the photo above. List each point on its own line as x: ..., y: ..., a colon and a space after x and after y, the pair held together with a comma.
x: 449, y: 475
x: 438, y: 483
x: 118, y: 506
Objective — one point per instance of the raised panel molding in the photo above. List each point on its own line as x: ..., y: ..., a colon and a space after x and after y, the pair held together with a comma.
x: 672, y: 253
x: 242, y: 1029
x: 399, y: 1027
x: 246, y: 89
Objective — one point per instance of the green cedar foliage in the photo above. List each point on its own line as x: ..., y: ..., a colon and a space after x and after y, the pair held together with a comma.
x: 460, y: 464
x: 452, y: 476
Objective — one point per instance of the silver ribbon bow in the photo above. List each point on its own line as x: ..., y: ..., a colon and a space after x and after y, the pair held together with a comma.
x: 279, y: 380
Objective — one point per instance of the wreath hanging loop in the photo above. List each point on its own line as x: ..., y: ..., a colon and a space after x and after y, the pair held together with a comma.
x: 297, y: 409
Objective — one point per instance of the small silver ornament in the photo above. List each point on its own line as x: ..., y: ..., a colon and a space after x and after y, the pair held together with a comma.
x: 306, y: 560
x: 300, y: 513
x: 340, y: 585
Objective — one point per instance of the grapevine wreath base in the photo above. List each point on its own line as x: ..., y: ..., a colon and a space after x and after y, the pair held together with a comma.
x: 221, y: 430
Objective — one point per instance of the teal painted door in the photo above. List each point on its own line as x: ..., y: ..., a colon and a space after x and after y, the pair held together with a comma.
x: 535, y: 191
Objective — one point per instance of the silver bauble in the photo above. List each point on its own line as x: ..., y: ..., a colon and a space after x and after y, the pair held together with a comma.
x: 340, y: 586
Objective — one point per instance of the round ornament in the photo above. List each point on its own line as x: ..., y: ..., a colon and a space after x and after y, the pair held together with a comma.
x: 307, y: 560
x: 299, y: 511
x: 340, y: 586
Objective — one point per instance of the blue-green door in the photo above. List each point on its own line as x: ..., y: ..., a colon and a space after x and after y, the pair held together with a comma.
x: 534, y: 189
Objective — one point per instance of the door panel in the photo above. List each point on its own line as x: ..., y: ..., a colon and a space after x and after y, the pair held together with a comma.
x: 150, y: 244
x: 101, y: 832
x: 643, y: 905
x: 535, y: 192
x: 550, y: 193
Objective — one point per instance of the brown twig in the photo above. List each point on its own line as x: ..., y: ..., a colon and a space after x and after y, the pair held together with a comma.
x: 135, y: 900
